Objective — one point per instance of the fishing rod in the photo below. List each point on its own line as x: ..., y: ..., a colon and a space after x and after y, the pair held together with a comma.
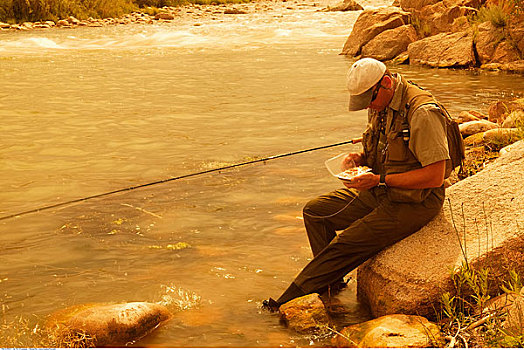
x: 130, y: 188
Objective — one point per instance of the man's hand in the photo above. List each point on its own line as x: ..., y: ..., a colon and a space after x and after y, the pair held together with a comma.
x: 363, y: 182
x: 354, y: 159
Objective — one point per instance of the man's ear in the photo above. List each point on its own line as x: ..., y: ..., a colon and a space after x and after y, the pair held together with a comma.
x: 387, y: 82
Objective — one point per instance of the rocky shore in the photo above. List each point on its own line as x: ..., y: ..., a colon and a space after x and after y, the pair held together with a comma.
x: 194, y: 12
x: 442, y: 34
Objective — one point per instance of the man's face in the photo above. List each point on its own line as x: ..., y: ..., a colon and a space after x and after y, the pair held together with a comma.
x: 382, y: 94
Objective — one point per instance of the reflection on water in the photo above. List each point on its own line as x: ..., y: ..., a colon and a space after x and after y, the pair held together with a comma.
x: 94, y: 110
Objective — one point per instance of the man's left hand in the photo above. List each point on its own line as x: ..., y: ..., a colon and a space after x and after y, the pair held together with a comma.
x: 363, y: 182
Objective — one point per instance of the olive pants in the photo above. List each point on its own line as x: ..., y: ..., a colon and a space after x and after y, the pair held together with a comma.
x: 368, y: 222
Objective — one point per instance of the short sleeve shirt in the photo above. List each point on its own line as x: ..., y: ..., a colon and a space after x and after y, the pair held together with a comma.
x: 428, y: 140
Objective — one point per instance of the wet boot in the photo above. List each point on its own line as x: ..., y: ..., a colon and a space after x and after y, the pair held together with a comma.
x: 292, y: 292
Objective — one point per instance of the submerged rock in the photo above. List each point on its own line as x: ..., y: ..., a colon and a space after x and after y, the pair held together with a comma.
x: 305, y: 314
x: 102, y: 325
x: 391, y: 331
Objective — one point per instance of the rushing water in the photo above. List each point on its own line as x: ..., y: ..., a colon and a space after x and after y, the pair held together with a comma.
x: 92, y: 110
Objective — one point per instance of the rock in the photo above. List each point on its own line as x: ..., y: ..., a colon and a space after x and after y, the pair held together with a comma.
x: 107, y: 324
x: 486, y: 41
x: 486, y: 210
x: 305, y: 314
x: 41, y: 26
x: 443, y: 51
x: 439, y: 17
x: 514, y: 67
x: 512, y: 306
x: 494, y: 138
x: 514, y: 119
x: 459, y: 24
x: 505, y: 53
x: 410, y: 5
x: 390, y: 43
x: 4, y: 25
x: 476, y: 126
x: 347, y: 5
x: 508, y: 148
x: 403, y: 58
x: 371, y: 23
x: 72, y: 20
x: 234, y: 12
x: 391, y: 331
x: 501, y: 137
x: 474, y: 140
x: 498, y: 111
x: 165, y: 16
x: 466, y: 116
x: 62, y: 23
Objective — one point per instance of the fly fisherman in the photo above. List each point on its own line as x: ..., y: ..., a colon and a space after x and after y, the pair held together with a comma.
x: 406, y: 147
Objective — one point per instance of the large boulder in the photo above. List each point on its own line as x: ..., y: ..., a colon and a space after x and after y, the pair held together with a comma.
x: 371, y: 23
x: 390, y: 43
x: 443, y: 51
x: 486, y: 41
x: 305, y: 314
x: 103, y: 325
x: 481, y: 220
x: 391, y: 331
x: 439, y: 17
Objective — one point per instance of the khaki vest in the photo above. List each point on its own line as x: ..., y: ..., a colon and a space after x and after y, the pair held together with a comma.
x: 389, y: 152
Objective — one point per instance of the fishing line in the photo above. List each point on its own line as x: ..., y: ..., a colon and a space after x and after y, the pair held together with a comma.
x: 130, y: 188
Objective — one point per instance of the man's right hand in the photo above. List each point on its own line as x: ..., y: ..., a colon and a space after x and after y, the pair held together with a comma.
x: 354, y: 159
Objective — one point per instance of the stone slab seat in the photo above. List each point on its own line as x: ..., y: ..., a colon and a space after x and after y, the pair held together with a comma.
x: 488, y: 212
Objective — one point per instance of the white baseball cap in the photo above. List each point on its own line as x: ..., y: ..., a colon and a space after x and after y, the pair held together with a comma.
x: 362, y: 76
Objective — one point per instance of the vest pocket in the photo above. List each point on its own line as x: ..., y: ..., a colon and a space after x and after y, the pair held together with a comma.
x: 397, y: 150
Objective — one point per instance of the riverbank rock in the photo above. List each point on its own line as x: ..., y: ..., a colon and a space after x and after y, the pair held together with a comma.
x: 443, y: 51
x: 371, y: 23
x: 498, y: 111
x: 514, y: 120
x: 347, y: 5
x: 305, y: 314
x: 466, y: 116
x: 102, y: 325
x: 390, y: 43
x: 482, y: 220
x: 476, y: 126
x: 511, y: 306
x: 391, y: 331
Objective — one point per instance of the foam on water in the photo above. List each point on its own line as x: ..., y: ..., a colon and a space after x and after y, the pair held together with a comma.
x: 243, y: 33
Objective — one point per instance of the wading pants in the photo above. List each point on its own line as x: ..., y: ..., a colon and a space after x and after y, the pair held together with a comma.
x: 368, y: 222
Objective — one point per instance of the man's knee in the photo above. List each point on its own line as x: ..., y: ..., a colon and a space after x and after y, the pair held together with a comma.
x: 312, y: 208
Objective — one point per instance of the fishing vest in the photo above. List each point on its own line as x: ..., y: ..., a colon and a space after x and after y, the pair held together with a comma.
x: 386, y: 141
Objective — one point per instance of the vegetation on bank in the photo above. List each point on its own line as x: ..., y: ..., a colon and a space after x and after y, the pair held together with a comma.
x: 465, y: 318
x: 19, y: 11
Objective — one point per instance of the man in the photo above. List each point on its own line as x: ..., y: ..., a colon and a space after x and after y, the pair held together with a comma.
x: 405, y: 145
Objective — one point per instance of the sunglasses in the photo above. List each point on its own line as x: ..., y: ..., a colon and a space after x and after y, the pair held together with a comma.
x: 375, y: 92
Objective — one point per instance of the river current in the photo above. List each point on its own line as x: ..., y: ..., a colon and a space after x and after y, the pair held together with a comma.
x: 92, y: 110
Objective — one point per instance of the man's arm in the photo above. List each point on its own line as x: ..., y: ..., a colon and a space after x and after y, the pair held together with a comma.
x: 430, y: 176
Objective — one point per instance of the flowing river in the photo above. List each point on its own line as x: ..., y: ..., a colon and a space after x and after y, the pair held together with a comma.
x: 92, y: 110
